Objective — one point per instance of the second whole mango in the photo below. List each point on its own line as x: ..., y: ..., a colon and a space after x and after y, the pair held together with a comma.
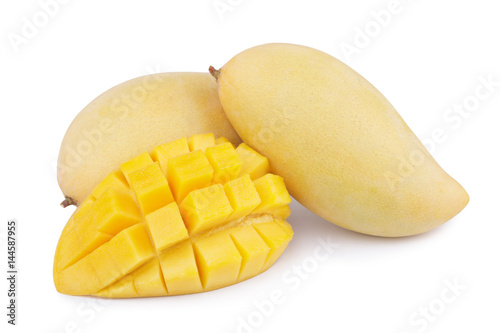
x: 336, y: 140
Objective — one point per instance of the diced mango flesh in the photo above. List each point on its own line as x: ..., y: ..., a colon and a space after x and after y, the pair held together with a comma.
x: 150, y: 188
x: 253, y: 249
x: 225, y: 162
x: 205, y: 208
x: 163, y: 153
x: 115, y: 180
x: 277, y: 235
x: 135, y: 164
x: 148, y: 280
x: 180, y: 271
x: 114, y: 211
x: 254, y: 164
x: 272, y: 192
x: 221, y: 140
x: 189, y: 172
x: 242, y: 195
x: 282, y: 212
x: 201, y: 141
x: 219, y: 261
x: 181, y: 220
x: 166, y: 226
x: 80, y: 213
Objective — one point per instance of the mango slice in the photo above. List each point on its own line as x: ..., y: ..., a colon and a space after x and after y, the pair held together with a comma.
x: 195, y: 215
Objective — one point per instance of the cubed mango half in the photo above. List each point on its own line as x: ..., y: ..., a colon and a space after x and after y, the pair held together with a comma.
x: 194, y: 215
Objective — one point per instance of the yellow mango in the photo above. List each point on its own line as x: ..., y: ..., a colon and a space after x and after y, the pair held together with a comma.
x: 147, y: 231
x: 341, y: 147
x: 134, y: 117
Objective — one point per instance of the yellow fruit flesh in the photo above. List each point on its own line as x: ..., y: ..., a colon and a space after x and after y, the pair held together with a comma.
x: 197, y: 224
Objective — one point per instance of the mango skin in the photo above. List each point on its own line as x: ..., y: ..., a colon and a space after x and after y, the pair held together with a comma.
x: 344, y: 151
x: 133, y: 117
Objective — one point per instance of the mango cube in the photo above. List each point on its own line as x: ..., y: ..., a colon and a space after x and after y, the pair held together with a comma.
x: 253, y: 249
x: 81, y: 243
x: 123, y: 288
x: 180, y: 270
x: 148, y: 280
x: 115, y: 180
x: 218, y: 260
x: 114, y: 211
x: 163, y: 153
x: 166, y: 226
x: 221, y: 140
x: 151, y: 188
x: 282, y: 212
x: 205, y: 208
x: 272, y: 192
x: 122, y: 254
x: 254, y: 164
x: 276, y: 237
x: 187, y: 173
x: 242, y: 195
x: 135, y: 164
x: 80, y: 278
x: 201, y: 141
x: 225, y: 162
x: 130, y: 248
x: 83, y: 209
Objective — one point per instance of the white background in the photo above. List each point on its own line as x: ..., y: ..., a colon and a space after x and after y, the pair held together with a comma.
x: 428, y: 58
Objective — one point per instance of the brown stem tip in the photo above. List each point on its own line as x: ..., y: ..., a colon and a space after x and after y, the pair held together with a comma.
x: 215, y: 73
x: 68, y: 202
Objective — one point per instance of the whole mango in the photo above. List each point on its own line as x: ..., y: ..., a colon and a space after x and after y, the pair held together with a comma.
x: 336, y: 140
x: 134, y: 117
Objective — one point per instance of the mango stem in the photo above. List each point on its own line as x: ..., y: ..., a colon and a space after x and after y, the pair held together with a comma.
x: 215, y: 73
x: 68, y: 202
